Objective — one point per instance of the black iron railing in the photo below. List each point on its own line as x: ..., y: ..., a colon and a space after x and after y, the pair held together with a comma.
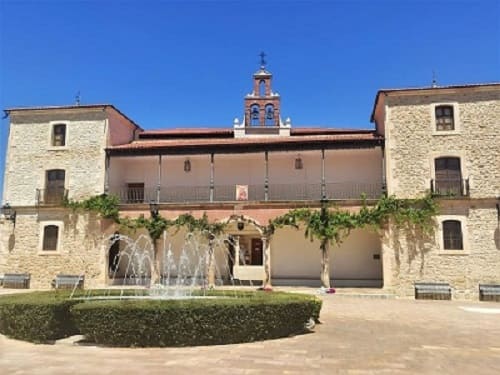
x: 50, y: 196
x: 458, y: 187
x: 230, y: 193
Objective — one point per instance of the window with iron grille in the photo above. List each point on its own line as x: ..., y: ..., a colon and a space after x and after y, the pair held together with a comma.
x: 444, y: 117
x: 59, y: 135
x: 452, y: 235
x: 50, y: 235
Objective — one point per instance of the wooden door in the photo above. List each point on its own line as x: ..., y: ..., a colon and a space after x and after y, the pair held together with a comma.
x: 54, y: 186
x: 448, y: 176
x: 256, y: 252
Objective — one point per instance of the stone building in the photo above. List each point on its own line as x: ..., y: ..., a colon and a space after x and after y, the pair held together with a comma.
x: 446, y: 140
x: 443, y: 139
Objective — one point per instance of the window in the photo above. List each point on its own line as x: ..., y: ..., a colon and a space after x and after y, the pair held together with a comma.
x: 135, y: 192
x: 50, y: 237
x: 448, y: 176
x: 54, y: 186
x: 452, y: 235
x: 59, y: 135
x: 444, y: 118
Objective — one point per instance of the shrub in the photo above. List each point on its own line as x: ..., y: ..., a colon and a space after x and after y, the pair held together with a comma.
x: 37, y: 317
x: 249, y: 317
x: 234, y: 317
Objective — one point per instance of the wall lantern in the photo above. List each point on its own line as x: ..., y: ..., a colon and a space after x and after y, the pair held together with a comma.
x: 298, y: 162
x: 153, y: 209
x: 498, y: 209
x: 241, y: 224
x: 9, y: 213
x: 187, y: 165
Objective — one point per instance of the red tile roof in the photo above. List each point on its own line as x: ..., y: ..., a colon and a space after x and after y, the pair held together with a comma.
x: 186, y: 133
x: 429, y: 88
x: 192, y: 144
x: 74, y: 106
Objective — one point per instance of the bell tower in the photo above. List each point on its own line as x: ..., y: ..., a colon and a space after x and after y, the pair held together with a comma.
x: 262, y: 105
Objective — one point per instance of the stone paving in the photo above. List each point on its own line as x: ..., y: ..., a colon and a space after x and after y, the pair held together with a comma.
x: 358, y: 336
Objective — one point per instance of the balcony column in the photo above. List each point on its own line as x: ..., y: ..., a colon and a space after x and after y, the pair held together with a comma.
x: 384, y: 179
x: 212, y: 172
x: 107, y: 162
x: 236, y: 262
x: 266, y: 178
x: 323, y: 184
x: 266, y: 246
x: 158, y: 186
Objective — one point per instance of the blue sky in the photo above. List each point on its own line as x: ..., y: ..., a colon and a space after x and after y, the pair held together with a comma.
x: 189, y: 63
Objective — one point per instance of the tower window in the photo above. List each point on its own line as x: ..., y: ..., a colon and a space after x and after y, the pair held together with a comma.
x: 59, y: 135
x: 452, y: 235
x: 444, y: 117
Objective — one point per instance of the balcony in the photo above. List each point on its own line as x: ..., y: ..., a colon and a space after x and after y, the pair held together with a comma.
x: 252, y: 193
x: 50, y: 197
x: 457, y: 187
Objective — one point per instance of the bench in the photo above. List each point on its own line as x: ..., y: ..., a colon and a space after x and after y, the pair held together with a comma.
x: 68, y: 281
x: 436, y: 291
x: 16, y: 280
x: 489, y: 292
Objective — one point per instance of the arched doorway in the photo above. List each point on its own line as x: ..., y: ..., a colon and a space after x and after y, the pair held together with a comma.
x: 246, y: 251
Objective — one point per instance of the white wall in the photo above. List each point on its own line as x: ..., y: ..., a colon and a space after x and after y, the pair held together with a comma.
x: 249, y: 169
x: 295, y: 257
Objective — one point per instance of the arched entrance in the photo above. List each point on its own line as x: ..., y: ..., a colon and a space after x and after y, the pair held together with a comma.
x: 128, y: 260
x: 246, y: 249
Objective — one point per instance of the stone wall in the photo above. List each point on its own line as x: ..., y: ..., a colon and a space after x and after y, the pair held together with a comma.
x: 30, y: 154
x: 81, y: 251
x: 410, y: 257
x: 412, y: 143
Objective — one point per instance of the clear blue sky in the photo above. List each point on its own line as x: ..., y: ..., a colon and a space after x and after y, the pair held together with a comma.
x: 189, y: 63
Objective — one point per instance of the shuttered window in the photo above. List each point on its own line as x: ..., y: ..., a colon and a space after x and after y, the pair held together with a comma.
x: 444, y: 117
x: 50, y: 235
x: 452, y: 235
x: 59, y: 135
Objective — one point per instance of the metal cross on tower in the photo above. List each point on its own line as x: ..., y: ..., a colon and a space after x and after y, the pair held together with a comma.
x: 262, y: 60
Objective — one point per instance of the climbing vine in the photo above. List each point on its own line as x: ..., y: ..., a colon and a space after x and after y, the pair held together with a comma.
x: 107, y: 206
x: 329, y: 223
x: 333, y: 224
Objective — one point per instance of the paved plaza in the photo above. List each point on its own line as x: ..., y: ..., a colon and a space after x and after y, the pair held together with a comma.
x: 358, y: 336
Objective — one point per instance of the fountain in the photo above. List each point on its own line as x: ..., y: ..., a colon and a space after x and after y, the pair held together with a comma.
x: 161, y: 296
x: 189, y: 269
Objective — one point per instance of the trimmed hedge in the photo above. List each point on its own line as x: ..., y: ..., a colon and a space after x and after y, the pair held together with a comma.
x: 40, y: 317
x: 235, y: 317
x: 37, y: 317
x: 194, y: 322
